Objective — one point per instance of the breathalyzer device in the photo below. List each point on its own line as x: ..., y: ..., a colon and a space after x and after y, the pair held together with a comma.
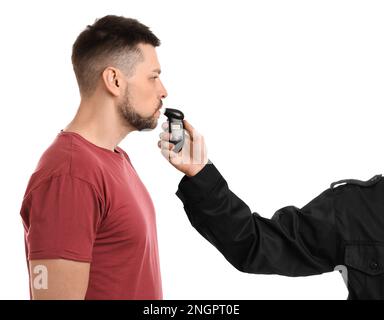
x: 175, y: 128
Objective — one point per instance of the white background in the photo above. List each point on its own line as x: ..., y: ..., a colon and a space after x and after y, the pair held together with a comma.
x: 288, y: 94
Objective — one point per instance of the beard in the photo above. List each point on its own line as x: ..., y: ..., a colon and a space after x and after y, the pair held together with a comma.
x: 132, y: 118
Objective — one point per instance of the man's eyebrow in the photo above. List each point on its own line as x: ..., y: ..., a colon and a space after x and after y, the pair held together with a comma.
x: 157, y: 70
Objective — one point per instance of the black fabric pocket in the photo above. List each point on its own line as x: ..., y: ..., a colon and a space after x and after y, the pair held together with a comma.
x: 367, y: 258
x: 365, y: 264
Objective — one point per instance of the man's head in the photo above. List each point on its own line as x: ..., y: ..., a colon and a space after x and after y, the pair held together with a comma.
x: 116, y: 57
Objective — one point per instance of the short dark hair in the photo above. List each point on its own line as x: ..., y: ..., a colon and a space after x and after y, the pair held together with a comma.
x: 110, y: 41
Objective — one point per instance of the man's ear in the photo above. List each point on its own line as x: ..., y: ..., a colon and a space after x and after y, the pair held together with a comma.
x: 112, y: 80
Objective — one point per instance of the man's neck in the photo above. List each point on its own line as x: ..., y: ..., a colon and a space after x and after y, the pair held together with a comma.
x: 100, y: 124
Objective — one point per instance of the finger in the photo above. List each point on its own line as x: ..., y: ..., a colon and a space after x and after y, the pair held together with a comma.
x: 166, y: 145
x: 169, y: 155
x: 165, y: 154
x: 165, y: 136
x: 164, y: 126
x: 191, y: 130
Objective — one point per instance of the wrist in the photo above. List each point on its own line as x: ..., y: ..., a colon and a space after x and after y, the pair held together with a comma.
x: 195, y: 170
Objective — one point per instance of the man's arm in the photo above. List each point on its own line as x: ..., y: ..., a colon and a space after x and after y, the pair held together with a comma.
x: 58, y: 279
x: 61, y: 218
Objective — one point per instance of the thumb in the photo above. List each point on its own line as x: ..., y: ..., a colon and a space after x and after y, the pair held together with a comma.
x: 191, y: 130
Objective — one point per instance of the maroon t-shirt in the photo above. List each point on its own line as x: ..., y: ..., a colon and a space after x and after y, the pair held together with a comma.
x: 86, y: 203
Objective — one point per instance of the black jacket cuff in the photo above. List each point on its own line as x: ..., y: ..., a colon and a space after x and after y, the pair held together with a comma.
x: 197, y: 188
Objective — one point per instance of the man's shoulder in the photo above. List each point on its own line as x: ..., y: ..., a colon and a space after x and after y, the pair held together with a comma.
x: 64, y: 158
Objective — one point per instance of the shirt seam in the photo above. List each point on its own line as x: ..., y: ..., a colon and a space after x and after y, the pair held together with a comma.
x: 46, y: 180
x: 70, y: 175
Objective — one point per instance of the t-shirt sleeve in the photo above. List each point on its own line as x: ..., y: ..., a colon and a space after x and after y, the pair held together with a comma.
x: 61, y: 217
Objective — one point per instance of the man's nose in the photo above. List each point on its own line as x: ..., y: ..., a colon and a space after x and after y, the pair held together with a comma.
x: 163, y: 91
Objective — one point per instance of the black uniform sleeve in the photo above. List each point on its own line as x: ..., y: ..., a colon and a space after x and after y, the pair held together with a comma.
x: 294, y: 242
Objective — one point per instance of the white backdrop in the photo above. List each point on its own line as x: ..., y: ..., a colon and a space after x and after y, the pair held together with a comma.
x: 288, y: 94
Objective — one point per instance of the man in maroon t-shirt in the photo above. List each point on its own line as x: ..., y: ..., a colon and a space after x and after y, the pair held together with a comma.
x: 90, y: 226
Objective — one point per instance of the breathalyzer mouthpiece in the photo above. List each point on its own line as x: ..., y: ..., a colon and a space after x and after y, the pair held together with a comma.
x: 174, y: 113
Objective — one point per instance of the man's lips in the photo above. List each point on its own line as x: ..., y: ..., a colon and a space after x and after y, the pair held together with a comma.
x: 158, y: 109
x: 157, y: 113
